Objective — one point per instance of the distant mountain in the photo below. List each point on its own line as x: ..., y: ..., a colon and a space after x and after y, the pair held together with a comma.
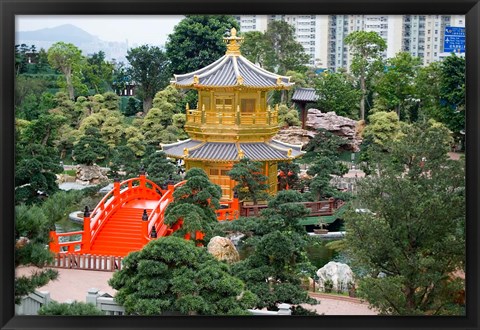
x: 67, y: 33
x: 87, y: 43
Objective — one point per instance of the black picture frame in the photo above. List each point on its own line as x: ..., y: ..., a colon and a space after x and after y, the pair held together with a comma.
x: 10, y: 8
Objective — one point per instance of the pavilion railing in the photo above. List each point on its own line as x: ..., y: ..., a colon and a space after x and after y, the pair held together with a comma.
x: 221, y: 117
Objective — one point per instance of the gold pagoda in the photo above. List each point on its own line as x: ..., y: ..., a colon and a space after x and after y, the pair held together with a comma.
x: 232, y: 119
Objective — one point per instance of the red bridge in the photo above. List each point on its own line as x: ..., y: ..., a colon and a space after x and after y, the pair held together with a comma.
x: 131, y: 215
x: 125, y: 220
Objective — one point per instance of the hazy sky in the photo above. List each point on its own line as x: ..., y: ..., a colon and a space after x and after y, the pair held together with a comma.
x: 151, y: 30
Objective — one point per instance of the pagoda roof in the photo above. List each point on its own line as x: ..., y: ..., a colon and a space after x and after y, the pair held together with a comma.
x: 232, y: 70
x: 302, y: 94
x: 230, y: 151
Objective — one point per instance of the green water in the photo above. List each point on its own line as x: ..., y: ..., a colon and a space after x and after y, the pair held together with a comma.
x: 318, y: 254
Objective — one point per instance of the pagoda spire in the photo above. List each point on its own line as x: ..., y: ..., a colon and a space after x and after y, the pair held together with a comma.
x: 233, y: 43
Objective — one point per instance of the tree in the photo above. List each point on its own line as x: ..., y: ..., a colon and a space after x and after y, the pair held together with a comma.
x: 288, y: 176
x: 336, y: 92
x: 197, y: 41
x: 68, y: 59
x: 322, y: 152
x: 32, y: 227
x: 76, y: 308
x: 288, y: 116
x: 152, y: 127
x: 149, y: 69
x: 284, y: 52
x: 414, y: 232
x: 120, y: 76
x: 171, y: 275
x: 251, y: 183
x: 31, y: 236
x: 21, y: 60
x: 194, y: 206
x: 383, y: 127
x: 255, y: 47
x: 90, y: 148
x: 36, y: 158
x: 427, y: 89
x: 98, y: 73
x: 166, y: 100
x: 125, y: 161
x: 133, y: 106
x: 159, y: 168
x: 275, y: 269
x: 452, y: 95
x: 135, y: 141
x: 395, y: 87
x: 366, y: 49
x: 112, y: 129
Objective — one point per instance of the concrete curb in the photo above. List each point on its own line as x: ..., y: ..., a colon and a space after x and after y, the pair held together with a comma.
x: 336, y: 297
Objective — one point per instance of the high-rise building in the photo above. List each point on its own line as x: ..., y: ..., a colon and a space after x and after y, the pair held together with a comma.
x: 252, y: 22
x: 323, y: 36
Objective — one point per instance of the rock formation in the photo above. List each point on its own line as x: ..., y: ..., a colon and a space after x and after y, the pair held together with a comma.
x: 338, y: 125
x: 93, y: 174
x: 340, y: 274
x: 223, y: 249
x: 294, y: 135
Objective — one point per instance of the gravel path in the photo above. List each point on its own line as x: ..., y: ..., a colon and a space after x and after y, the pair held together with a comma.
x: 73, y: 285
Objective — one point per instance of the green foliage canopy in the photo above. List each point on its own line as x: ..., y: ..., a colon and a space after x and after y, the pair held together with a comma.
x: 366, y: 49
x: 197, y: 41
x: 251, y: 182
x: 149, y: 69
x: 414, y: 233
x: 171, y: 275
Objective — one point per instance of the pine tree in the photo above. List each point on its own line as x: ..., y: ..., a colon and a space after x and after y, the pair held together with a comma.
x: 194, y: 206
x: 251, y: 182
x: 172, y: 276
x: 274, y: 271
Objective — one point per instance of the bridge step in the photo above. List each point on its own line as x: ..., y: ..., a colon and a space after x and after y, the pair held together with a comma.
x: 122, y: 233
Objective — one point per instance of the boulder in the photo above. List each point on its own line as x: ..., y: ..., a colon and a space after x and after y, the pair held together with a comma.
x: 294, y: 135
x: 338, y: 125
x: 223, y: 249
x: 92, y: 174
x: 340, y: 274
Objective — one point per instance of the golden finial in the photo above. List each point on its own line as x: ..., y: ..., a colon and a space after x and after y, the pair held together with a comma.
x: 195, y: 79
x: 279, y: 81
x: 233, y: 42
x: 241, y: 154
x: 187, y: 106
x: 240, y: 80
x: 185, y: 151
x: 289, y: 152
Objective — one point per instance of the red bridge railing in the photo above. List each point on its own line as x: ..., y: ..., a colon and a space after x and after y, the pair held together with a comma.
x: 122, y: 192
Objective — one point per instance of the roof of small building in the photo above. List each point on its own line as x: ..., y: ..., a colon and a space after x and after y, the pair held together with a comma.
x: 232, y: 70
x: 304, y: 95
x: 228, y: 151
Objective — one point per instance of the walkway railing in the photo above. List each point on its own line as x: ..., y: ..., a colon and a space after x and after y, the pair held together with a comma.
x: 319, y: 208
x: 157, y: 215
x: 87, y: 262
x: 229, y: 210
x: 232, y: 117
x: 122, y: 192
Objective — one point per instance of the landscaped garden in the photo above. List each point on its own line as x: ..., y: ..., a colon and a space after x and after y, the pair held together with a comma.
x: 386, y: 225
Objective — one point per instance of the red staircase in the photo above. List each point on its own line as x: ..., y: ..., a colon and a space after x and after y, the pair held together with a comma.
x: 122, y: 232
